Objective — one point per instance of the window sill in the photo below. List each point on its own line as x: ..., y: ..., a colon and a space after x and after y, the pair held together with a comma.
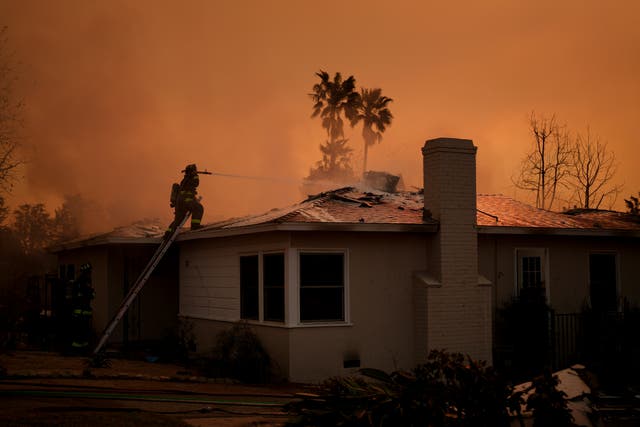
x: 321, y: 324
x: 299, y: 325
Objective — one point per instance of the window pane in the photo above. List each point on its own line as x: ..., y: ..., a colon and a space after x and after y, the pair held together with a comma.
x: 273, y: 277
x: 321, y: 287
x: 249, y: 287
x: 321, y: 304
x: 321, y: 269
x: 531, y: 272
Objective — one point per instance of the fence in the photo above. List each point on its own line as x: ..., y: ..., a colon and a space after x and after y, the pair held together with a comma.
x: 604, y: 341
x: 567, y: 330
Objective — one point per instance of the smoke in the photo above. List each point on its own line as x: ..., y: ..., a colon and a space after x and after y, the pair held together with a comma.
x: 120, y: 96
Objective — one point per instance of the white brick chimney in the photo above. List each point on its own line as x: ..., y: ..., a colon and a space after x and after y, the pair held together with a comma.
x: 453, y: 311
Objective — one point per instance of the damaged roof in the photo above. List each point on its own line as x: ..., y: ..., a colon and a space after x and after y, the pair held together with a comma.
x: 343, y: 209
x: 363, y: 210
x: 352, y: 209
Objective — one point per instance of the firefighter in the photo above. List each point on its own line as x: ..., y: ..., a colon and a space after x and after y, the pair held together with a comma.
x: 185, y: 200
x: 82, y: 314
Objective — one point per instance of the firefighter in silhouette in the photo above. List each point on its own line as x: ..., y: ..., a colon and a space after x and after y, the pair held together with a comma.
x: 81, y: 314
x: 184, y: 201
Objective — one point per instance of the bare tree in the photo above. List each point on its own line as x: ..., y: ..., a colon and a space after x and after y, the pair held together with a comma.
x: 545, y: 169
x: 10, y: 118
x: 593, y: 168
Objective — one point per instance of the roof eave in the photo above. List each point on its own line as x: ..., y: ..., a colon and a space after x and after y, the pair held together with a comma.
x: 103, y: 241
x: 589, y: 232
x: 310, y: 226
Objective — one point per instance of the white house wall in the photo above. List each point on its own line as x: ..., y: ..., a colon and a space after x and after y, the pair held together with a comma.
x: 379, y: 331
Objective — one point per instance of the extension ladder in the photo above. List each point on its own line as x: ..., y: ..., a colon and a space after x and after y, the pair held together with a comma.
x: 138, y: 285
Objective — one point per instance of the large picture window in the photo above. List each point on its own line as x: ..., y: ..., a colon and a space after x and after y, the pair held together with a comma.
x: 322, y: 287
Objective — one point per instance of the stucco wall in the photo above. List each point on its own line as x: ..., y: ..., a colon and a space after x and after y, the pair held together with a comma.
x: 568, y: 266
x: 381, y: 268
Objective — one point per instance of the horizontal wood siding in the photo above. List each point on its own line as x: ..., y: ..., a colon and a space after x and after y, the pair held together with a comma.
x: 210, y: 273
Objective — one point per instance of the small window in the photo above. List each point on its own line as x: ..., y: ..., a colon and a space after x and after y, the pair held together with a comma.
x: 273, y: 281
x: 249, y: 283
x: 322, y: 287
x: 531, y: 274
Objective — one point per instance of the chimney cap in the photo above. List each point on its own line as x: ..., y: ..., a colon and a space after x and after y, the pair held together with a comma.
x: 449, y: 144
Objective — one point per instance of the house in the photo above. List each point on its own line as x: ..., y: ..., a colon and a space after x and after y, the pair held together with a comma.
x: 364, y: 278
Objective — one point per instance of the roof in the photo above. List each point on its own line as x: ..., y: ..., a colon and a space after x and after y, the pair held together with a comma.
x: 343, y: 209
x: 139, y: 232
x: 496, y: 212
x: 353, y: 209
x: 364, y: 209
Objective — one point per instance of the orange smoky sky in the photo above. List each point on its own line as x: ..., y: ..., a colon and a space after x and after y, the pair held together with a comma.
x: 120, y: 95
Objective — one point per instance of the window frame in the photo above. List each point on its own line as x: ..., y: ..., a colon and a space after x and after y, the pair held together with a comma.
x: 345, y: 288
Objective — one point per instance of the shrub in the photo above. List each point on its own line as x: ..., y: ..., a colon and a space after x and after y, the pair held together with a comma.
x: 548, y: 404
x: 449, y: 390
x: 239, y: 354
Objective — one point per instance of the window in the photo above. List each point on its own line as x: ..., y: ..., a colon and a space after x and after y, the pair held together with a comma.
x: 273, y: 278
x: 322, y: 290
x: 531, y: 273
x: 603, y: 282
x: 249, y: 287
x: 269, y: 285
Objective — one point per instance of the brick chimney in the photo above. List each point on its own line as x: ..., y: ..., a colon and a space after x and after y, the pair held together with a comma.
x: 453, y: 311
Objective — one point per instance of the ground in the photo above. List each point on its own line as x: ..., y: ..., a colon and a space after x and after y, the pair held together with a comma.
x: 41, y: 388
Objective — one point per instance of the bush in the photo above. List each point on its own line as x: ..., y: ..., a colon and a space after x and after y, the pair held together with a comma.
x: 449, y: 390
x: 523, y: 326
x: 239, y: 354
x: 547, y: 403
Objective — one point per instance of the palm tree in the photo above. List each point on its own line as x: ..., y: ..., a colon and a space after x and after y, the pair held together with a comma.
x: 374, y: 113
x: 333, y: 100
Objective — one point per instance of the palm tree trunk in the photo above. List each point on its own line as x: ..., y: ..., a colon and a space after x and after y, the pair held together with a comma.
x: 364, y: 165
